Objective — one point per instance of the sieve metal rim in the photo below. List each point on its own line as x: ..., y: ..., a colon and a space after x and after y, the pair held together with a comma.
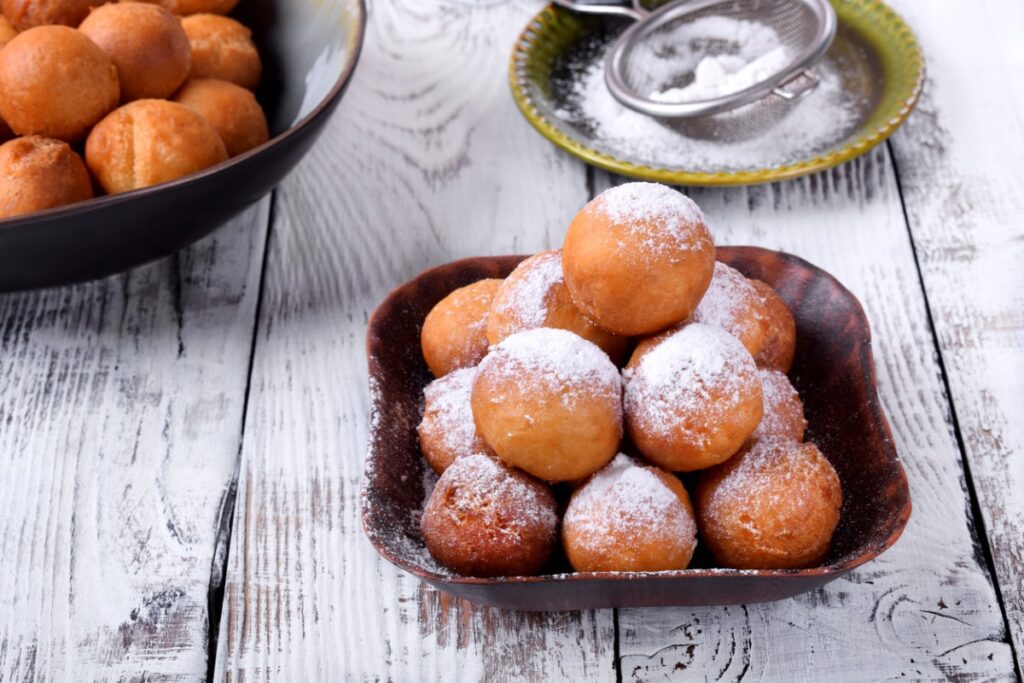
x: 801, y: 64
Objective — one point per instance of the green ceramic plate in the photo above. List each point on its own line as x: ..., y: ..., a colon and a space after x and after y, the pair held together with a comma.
x: 875, y: 55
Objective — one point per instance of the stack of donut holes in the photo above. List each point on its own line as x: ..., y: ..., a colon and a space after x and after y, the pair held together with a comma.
x: 604, y: 369
x: 145, y: 91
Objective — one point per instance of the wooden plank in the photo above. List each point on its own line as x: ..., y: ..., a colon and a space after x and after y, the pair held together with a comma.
x: 120, y: 417
x: 960, y: 159
x: 426, y: 161
x: 926, y: 609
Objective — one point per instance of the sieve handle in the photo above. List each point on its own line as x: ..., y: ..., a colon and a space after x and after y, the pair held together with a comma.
x: 811, y: 81
x: 633, y: 9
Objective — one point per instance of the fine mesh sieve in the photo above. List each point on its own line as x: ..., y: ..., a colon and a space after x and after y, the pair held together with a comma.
x: 661, y: 52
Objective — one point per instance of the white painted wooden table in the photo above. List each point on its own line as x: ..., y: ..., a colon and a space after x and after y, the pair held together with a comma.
x: 181, y: 446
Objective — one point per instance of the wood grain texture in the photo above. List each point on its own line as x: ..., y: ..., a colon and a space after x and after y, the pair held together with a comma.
x: 960, y: 158
x: 120, y: 417
x: 426, y: 161
x: 926, y: 609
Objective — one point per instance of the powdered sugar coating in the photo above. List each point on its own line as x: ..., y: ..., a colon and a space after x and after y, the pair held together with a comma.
x: 625, y: 503
x: 524, y: 295
x: 447, y: 430
x: 663, y: 217
x: 694, y: 378
x: 561, y: 361
x: 783, y: 410
x: 731, y: 303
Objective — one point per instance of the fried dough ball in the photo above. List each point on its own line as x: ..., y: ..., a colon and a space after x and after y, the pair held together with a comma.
x: 693, y: 396
x: 780, y: 336
x: 629, y: 518
x: 39, y: 173
x: 783, y: 410
x: 773, y: 506
x: 487, y: 519
x: 535, y: 295
x: 733, y: 304
x: 7, y: 31
x: 447, y: 431
x: 231, y: 109
x: 183, y: 8
x: 146, y: 44
x: 222, y: 48
x: 549, y: 402
x: 638, y: 258
x: 453, y: 334
x: 26, y: 14
x: 55, y: 82
x: 147, y: 142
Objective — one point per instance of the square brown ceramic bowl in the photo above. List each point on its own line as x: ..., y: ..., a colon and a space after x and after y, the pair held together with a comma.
x: 833, y: 370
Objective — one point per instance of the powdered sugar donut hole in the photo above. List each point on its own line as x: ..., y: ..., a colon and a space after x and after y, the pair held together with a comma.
x: 535, y: 295
x: 549, y: 402
x: 638, y: 258
x: 629, y: 518
x: 447, y: 431
x: 780, y: 333
x: 454, y: 333
x: 773, y: 506
x: 487, y: 519
x: 783, y: 410
x: 733, y: 304
x: 692, y: 397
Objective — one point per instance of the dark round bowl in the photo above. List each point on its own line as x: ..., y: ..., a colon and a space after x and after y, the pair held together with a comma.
x: 309, y: 50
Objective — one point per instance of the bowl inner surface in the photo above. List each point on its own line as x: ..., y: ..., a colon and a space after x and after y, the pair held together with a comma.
x: 833, y: 371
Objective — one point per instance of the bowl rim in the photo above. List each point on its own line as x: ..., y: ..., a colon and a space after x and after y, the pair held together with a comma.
x: 897, y: 523
x: 28, y: 221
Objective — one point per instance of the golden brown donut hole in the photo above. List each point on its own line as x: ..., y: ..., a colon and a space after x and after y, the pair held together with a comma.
x: 26, y: 14
x: 534, y: 295
x: 775, y: 505
x: 40, y: 173
x: 783, y: 410
x: 183, y: 8
x: 147, y: 142
x: 7, y: 31
x: 55, y: 82
x: 146, y: 44
x: 638, y: 258
x: 733, y: 304
x: 447, y: 431
x: 454, y: 332
x: 629, y: 518
x: 487, y: 519
x: 231, y: 109
x: 222, y: 48
x: 780, y: 335
x: 549, y: 402
x: 693, y: 396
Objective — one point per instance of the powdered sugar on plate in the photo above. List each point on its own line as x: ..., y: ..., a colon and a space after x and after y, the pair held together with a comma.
x: 695, y: 376
x: 626, y: 501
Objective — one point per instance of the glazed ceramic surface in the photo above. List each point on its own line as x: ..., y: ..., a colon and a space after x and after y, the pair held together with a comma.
x: 309, y: 49
x: 833, y: 370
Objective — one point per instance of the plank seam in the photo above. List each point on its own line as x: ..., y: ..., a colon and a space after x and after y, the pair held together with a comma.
x: 978, y: 530
x: 226, y: 518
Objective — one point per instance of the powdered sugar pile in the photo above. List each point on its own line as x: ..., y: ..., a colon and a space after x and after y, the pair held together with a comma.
x: 563, y: 361
x: 524, y: 296
x: 448, y: 413
x: 671, y: 387
x: 724, y: 75
x: 729, y: 298
x: 626, y: 501
x: 810, y: 126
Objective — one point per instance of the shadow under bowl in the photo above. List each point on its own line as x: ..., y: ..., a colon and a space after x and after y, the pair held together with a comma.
x: 309, y: 50
x: 833, y: 370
